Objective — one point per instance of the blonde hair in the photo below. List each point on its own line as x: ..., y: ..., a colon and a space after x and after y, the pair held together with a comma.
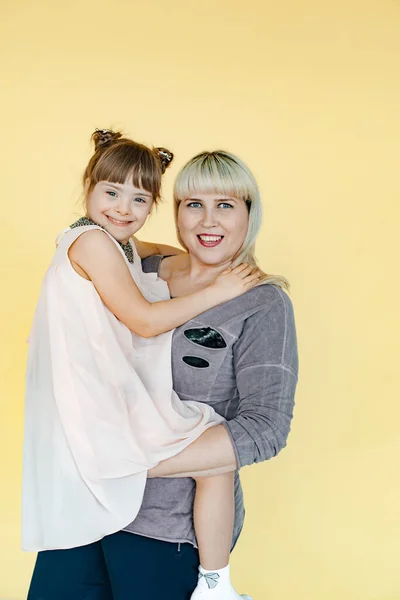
x: 221, y: 172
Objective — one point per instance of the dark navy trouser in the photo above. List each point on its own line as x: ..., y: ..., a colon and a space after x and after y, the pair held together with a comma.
x: 122, y: 566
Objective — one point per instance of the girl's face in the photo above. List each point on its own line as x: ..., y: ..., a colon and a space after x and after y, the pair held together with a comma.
x: 213, y: 227
x: 121, y: 208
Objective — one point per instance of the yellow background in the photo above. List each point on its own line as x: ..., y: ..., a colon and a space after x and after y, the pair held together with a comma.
x: 308, y: 94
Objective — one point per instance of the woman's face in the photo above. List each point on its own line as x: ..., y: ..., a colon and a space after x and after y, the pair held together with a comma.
x: 213, y: 227
x: 121, y: 208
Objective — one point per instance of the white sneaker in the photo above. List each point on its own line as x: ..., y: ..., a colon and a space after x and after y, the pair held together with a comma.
x: 211, y: 586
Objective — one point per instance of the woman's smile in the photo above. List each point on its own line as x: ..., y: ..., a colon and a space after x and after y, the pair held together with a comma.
x: 209, y: 241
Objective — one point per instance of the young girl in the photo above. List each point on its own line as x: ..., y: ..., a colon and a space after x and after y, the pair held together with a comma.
x: 100, y: 410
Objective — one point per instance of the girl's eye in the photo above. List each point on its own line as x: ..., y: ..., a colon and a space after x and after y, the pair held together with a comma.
x: 112, y: 193
x: 225, y: 205
x: 194, y: 204
x: 140, y: 200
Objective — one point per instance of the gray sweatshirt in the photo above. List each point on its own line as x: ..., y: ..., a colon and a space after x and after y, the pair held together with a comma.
x: 241, y: 358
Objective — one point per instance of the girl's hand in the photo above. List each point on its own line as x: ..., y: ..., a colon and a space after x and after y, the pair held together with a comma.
x: 234, y: 282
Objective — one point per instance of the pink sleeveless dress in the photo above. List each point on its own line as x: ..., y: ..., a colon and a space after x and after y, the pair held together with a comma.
x: 99, y: 410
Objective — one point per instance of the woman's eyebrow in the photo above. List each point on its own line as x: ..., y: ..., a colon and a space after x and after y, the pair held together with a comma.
x: 225, y: 199
x: 221, y: 199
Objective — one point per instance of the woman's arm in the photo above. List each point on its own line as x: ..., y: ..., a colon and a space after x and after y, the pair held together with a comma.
x: 211, y: 454
x: 266, y: 365
x: 97, y: 256
x: 146, y: 249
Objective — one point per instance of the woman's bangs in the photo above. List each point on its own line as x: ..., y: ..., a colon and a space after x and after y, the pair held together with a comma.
x: 212, y: 175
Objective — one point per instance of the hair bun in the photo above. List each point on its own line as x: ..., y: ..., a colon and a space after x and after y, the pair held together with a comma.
x: 165, y: 157
x: 102, y: 137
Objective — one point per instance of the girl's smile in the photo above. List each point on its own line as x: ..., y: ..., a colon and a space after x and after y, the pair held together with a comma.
x: 118, y: 223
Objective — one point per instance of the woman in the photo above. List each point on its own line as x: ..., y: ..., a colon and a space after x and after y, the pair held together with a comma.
x: 239, y: 357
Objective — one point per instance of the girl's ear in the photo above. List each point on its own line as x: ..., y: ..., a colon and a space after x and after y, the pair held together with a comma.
x: 87, y: 186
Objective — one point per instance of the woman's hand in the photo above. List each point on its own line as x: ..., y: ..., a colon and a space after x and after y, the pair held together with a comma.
x: 234, y: 282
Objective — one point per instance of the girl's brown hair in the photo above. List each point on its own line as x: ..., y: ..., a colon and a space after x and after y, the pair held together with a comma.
x: 118, y: 158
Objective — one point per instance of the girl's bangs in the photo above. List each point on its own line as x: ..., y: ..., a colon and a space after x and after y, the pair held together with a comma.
x: 124, y: 163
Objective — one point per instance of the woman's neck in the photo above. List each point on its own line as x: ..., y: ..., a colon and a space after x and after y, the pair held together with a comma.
x: 199, y: 271
x: 184, y: 273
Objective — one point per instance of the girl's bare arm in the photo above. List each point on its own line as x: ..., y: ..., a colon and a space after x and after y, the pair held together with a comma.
x: 98, y: 257
x: 146, y: 249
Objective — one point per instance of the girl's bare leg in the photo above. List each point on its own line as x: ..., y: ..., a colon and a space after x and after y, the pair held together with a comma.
x: 214, y: 509
x: 213, y: 519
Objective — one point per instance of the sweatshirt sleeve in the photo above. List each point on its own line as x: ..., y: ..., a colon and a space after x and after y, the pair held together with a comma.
x: 266, y: 367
